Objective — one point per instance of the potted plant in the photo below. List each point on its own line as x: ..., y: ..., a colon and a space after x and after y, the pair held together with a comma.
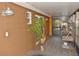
x: 37, y: 28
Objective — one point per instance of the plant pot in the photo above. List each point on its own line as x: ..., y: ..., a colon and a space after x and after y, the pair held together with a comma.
x: 43, y: 40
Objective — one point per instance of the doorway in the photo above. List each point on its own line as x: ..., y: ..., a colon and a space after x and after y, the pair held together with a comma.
x: 56, y: 26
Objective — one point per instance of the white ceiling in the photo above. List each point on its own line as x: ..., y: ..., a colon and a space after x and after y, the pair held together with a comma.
x: 56, y: 8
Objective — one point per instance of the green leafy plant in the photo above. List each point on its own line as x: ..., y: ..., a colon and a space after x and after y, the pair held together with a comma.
x: 37, y: 27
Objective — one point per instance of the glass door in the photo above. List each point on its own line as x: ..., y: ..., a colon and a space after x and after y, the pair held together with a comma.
x: 56, y: 26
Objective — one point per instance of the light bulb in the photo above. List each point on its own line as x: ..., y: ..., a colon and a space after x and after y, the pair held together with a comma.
x: 6, y: 34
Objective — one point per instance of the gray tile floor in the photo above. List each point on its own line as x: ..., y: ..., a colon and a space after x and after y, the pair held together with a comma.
x: 53, y: 47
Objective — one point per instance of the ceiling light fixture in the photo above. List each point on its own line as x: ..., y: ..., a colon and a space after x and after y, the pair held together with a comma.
x: 7, y: 12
